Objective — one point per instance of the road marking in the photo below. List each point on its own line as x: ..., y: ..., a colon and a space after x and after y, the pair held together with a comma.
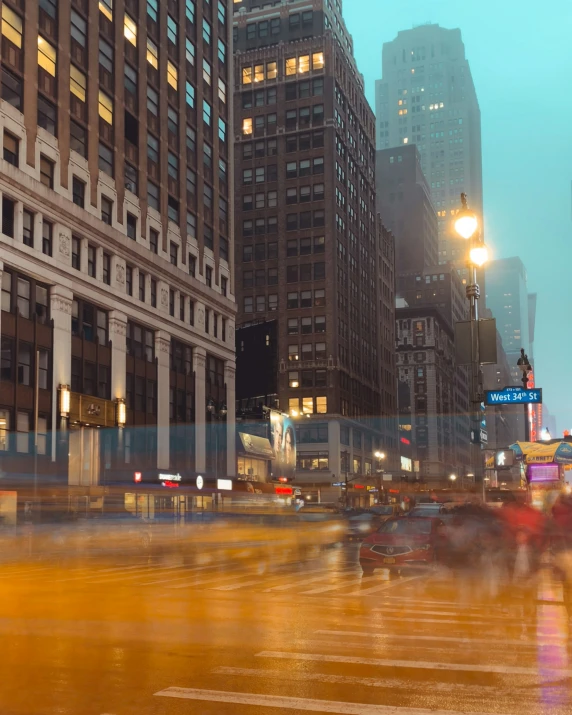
x: 87, y: 572
x: 295, y: 584
x: 384, y: 587
x: 234, y: 586
x: 446, y: 639
x: 456, y: 614
x: 341, y: 584
x: 287, y: 703
x: 186, y: 576
x: 262, y: 673
x: 209, y: 579
x: 145, y: 571
x: 418, y: 664
x: 29, y: 570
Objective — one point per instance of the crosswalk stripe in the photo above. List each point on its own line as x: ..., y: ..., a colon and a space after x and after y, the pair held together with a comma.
x: 210, y: 579
x: 436, y: 637
x: 186, y: 576
x: 144, y: 572
x: 383, y: 587
x: 289, y: 703
x: 340, y: 584
x: 413, y: 664
x: 84, y: 573
x: 406, y: 683
x: 234, y: 586
x: 30, y: 570
x: 304, y: 582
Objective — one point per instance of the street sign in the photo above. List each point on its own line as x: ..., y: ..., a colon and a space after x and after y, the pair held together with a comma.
x: 387, y: 477
x: 514, y: 396
x: 479, y: 436
x: 338, y: 484
x: 504, y: 459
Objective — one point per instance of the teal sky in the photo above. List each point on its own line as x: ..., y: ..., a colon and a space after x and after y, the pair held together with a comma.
x: 521, y: 61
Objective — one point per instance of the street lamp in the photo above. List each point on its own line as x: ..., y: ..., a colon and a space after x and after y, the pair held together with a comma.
x: 467, y: 227
x: 453, y: 478
x: 524, y: 364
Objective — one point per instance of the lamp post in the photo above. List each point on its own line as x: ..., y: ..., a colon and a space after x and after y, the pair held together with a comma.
x: 467, y: 226
x: 524, y: 364
x: 380, y: 456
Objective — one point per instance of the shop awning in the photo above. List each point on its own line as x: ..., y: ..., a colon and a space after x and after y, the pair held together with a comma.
x: 256, y: 446
x: 543, y: 452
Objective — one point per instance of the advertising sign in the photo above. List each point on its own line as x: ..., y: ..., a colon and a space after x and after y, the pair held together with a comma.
x: 514, y: 396
x: 283, y: 441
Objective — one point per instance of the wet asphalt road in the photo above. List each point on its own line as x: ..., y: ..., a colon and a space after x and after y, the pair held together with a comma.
x: 157, y: 634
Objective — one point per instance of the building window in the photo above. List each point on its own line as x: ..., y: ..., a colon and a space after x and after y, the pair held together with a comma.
x: 105, y: 159
x: 153, y: 240
x: 142, y: 279
x: 106, y: 210
x: 76, y: 253
x: 132, y: 226
x: 130, y: 30
x: 11, y: 149
x: 105, y: 107
x: 209, y: 276
x: 153, y: 293
x: 22, y: 432
x: 173, y: 253
x: 223, y: 285
x: 140, y: 342
x: 171, y: 302
x: 89, y: 322
x: 47, y: 234
x: 24, y: 363
x: 46, y: 56
x: 47, y: 114
x: 91, y: 260
x: 129, y: 280
x: 78, y: 191
x: 28, y: 228
x: 46, y: 171
x: 106, y: 268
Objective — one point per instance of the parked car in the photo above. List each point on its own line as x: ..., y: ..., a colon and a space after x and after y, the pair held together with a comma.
x: 427, y: 510
x: 403, y: 542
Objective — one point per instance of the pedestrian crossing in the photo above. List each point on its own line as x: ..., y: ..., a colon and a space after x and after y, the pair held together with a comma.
x: 451, y: 670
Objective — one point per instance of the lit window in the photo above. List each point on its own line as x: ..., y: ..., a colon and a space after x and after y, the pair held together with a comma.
x: 318, y: 61
x: 130, y: 30
x: 293, y: 379
x: 271, y: 70
x: 172, y: 75
x: 152, y: 54
x: 290, y: 66
x: 294, y: 406
x: 321, y: 405
x: 222, y: 90
x: 207, y: 71
x: 78, y: 83
x: 106, y: 7
x: 247, y: 75
x: 247, y: 126
x: 303, y: 64
x: 258, y: 73
x: 405, y: 140
x: 307, y: 405
x: 46, y: 56
x: 11, y: 26
x: 105, y: 107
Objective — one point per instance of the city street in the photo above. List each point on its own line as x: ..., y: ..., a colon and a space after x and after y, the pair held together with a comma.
x: 157, y: 635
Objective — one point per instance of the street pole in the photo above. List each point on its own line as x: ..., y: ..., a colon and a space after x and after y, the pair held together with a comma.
x: 346, y: 480
x: 36, y: 420
x: 524, y: 364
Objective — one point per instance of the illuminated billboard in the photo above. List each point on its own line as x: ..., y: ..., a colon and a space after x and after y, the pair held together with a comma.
x: 283, y: 441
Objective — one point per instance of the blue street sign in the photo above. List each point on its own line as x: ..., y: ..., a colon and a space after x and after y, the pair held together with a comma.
x: 338, y: 484
x: 514, y: 396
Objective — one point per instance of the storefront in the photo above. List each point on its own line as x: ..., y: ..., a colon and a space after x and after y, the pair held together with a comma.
x: 254, y: 458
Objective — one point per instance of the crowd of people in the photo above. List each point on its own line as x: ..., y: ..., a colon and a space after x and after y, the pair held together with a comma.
x: 499, y: 553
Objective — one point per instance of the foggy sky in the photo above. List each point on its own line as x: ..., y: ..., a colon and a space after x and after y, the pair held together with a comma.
x: 521, y: 62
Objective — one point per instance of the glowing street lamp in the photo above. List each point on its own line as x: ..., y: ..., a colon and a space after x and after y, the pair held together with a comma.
x: 453, y: 478
x: 479, y: 255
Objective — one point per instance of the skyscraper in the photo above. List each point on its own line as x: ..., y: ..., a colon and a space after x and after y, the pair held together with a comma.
x: 404, y: 201
x: 509, y: 301
x: 117, y: 279
x: 427, y: 97
x: 309, y: 248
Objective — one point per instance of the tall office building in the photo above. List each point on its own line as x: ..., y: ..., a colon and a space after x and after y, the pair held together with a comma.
x: 509, y: 301
x: 117, y: 281
x: 309, y: 248
x: 427, y: 97
x: 404, y: 201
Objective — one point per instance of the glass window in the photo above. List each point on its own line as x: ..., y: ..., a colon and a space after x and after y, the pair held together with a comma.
x: 7, y: 365
x: 11, y: 26
x: 22, y: 432
x: 46, y: 56
x: 105, y: 107
x: 24, y: 363
x: 78, y: 83
x: 172, y: 75
x: 152, y: 54
x: 130, y: 30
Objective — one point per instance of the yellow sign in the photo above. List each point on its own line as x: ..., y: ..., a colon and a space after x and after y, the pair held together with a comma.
x: 91, y: 411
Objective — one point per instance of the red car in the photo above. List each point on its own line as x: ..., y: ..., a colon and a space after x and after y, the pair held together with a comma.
x: 403, y: 542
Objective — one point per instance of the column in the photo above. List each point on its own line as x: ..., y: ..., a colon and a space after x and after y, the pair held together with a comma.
x: 334, y: 449
x: 60, y: 311
x: 199, y: 367
x: 162, y: 353
x: 118, y: 337
x: 230, y: 382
